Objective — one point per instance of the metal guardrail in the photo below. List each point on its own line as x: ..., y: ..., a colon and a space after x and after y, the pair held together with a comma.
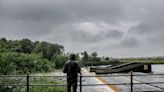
x: 27, y: 83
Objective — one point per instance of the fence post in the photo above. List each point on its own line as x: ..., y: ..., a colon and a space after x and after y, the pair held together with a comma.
x: 131, y: 81
x: 27, y: 85
x: 80, y: 82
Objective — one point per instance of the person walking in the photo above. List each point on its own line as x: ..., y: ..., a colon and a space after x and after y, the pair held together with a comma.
x: 72, y: 69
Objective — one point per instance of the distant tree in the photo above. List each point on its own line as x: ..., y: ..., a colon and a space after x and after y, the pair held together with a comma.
x: 107, y: 59
x: 14, y: 46
x: 48, y: 50
x: 94, y: 54
x: 3, y: 40
x: 94, y: 57
x: 59, y: 60
x: 15, y: 63
x: 3, y: 43
x: 18, y: 56
x: 26, y: 46
x: 85, y: 57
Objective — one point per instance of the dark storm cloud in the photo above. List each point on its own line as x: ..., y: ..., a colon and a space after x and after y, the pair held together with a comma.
x: 110, y: 24
x: 72, y: 34
x: 141, y: 29
x: 28, y: 17
x: 84, y: 37
x: 114, y: 34
x: 62, y: 11
x: 37, y: 10
x: 23, y: 29
x: 152, y: 33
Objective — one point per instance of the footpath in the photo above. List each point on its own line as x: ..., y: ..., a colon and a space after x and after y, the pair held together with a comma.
x: 87, y: 81
x: 93, y: 80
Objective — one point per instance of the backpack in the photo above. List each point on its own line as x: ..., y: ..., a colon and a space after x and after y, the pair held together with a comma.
x: 72, y: 67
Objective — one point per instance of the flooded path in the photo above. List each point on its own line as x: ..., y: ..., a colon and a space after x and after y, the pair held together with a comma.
x: 140, y: 87
x: 93, y: 80
x: 143, y: 83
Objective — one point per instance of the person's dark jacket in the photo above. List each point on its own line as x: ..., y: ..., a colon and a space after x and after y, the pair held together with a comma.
x: 72, y: 69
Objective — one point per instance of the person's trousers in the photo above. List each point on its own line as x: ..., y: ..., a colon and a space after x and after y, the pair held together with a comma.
x: 71, y: 83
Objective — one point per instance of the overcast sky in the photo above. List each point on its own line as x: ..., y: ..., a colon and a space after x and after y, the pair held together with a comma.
x: 117, y: 28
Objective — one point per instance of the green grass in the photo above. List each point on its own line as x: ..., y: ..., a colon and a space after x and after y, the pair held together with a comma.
x: 152, y: 61
x: 47, y: 88
x: 36, y: 80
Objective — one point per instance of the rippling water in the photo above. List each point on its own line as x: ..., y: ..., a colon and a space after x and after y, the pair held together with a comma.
x: 158, y: 68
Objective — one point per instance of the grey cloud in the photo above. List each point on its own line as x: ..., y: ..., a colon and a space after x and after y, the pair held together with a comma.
x: 109, y: 11
x: 80, y: 36
x: 141, y: 29
x: 129, y: 42
x: 49, y: 19
x: 36, y: 11
x: 28, y: 18
x: 114, y: 34
x: 24, y: 29
x: 148, y: 33
x: 157, y: 39
x: 63, y: 11
x: 86, y: 37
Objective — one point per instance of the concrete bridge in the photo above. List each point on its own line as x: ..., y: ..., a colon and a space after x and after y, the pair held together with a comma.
x: 126, y: 67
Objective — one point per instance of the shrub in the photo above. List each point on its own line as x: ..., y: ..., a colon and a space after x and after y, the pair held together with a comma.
x: 14, y: 63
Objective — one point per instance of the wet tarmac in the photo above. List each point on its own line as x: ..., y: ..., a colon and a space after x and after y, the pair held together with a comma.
x: 117, y: 78
x: 88, y: 81
x: 141, y: 83
x: 140, y: 80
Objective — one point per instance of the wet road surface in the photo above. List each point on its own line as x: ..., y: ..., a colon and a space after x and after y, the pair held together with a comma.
x: 138, y: 79
x: 92, y: 80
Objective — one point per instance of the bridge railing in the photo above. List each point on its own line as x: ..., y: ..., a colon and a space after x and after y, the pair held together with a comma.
x: 32, y: 83
x: 36, y: 83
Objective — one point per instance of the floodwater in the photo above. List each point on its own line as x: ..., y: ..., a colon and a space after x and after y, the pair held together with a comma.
x: 141, y: 87
x: 140, y: 80
x: 158, y: 68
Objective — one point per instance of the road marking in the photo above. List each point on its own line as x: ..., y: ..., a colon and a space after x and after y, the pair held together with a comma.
x: 111, y: 87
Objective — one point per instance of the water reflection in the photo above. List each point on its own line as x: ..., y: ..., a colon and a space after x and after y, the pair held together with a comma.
x: 158, y: 68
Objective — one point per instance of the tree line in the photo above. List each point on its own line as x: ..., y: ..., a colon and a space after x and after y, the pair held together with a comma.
x: 22, y: 56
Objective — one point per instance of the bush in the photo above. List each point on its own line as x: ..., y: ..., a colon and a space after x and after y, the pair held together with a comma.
x: 59, y: 60
x: 20, y: 63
